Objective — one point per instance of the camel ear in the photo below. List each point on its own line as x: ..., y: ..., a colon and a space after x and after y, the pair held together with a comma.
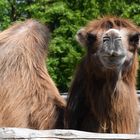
x: 85, y: 38
x: 81, y: 37
x: 134, y: 39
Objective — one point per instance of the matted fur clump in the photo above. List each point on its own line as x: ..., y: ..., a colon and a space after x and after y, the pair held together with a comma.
x: 102, y: 97
x: 28, y: 96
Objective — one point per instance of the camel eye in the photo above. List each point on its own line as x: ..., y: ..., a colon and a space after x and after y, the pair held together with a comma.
x: 106, y: 41
x: 134, y: 39
x: 91, y: 38
x: 118, y: 42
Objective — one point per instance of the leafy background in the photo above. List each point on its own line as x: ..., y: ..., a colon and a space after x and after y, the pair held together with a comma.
x: 64, y: 18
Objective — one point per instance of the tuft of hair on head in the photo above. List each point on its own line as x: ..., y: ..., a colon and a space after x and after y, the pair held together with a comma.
x: 86, y: 35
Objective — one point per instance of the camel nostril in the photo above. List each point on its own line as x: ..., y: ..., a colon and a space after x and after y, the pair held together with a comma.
x: 112, y: 53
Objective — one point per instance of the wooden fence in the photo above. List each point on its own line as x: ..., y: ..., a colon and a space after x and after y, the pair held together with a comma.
x: 58, y: 134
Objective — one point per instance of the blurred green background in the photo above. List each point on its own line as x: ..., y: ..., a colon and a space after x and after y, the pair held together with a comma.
x: 64, y: 18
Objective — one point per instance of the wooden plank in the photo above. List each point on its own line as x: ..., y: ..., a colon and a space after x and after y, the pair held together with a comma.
x: 56, y: 134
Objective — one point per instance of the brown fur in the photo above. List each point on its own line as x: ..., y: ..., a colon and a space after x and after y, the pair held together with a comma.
x: 99, y: 101
x: 28, y: 96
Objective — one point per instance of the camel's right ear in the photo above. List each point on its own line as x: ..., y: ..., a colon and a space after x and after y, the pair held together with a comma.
x: 85, y: 38
x: 81, y: 36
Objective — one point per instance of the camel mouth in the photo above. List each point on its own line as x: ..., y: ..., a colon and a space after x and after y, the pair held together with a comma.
x: 112, y: 61
x: 113, y: 57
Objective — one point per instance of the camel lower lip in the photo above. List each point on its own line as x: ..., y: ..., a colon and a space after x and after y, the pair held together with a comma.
x: 112, y: 62
x: 113, y: 57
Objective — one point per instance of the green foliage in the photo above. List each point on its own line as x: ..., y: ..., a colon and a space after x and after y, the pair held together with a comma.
x: 64, y: 18
x: 65, y: 23
x: 133, y: 12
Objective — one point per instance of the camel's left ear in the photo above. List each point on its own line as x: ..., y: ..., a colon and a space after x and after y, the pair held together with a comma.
x: 134, y: 39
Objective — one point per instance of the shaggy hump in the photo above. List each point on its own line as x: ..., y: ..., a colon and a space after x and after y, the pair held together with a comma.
x: 30, y: 29
x: 27, y: 93
x: 29, y: 26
